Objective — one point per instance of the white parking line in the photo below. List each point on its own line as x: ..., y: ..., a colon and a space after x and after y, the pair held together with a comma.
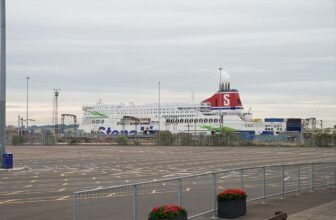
x: 8, y: 201
x: 110, y: 195
x: 14, y: 193
x: 63, y: 198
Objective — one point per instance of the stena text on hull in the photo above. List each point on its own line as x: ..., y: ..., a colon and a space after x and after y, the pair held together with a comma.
x: 223, y: 111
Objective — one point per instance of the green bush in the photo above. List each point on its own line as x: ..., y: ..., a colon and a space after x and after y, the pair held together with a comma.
x: 166, y: 138
x: 72, y: 141
x: 17, y: 140
x: 121, y: 140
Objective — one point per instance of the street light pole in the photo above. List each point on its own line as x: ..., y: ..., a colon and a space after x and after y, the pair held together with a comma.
x: 220, y: 98
x: 27, y: 118
x: 2, y: 78
x: 159, y: 112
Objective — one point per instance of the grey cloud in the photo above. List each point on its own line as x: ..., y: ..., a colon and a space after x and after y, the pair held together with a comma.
x: 112, y: 47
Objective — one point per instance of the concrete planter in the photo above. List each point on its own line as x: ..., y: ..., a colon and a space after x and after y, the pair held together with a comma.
x: 231, y: 208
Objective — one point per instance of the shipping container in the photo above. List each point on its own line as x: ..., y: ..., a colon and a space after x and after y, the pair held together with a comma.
x: 294, y: 124
x: 274, y: 120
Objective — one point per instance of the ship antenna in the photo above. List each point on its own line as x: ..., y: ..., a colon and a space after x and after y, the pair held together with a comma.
x: 220, y: 78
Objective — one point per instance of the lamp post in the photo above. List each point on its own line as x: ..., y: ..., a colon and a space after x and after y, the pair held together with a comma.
x: 27, y: 118
x: 159, y: 113
x: 2, y: 78
x: 220, y: 98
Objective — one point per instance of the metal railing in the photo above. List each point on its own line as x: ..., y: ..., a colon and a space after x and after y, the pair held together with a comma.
x: 197, y: 193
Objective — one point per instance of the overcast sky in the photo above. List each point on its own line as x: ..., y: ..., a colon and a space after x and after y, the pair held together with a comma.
x: 280, y: 54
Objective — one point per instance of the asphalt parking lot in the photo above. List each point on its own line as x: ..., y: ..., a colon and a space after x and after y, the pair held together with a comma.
x: 43, y: 180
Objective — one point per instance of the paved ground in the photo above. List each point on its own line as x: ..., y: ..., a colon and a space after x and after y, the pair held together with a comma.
x: 317, y: 205
x: 46, y: 176
x: 325, y: 211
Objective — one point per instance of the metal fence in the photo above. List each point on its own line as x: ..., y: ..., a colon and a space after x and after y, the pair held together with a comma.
x: 197, y: 193
x: 181, y: 139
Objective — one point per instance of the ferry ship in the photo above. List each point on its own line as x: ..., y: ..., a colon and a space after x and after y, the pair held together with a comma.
x: 223, y: 111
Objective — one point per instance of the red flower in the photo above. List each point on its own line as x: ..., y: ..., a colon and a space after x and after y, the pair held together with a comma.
x: 167, y: 211
x: 231, y: 194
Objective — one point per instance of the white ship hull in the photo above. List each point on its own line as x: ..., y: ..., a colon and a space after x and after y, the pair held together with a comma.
x: 177, y: 117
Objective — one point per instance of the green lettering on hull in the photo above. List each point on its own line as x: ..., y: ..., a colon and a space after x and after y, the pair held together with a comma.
x: 217, y: 129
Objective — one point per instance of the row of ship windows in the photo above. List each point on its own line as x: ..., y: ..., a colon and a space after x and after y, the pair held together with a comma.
x: 205, y: 120
x: 271, y: 129
x: 276, y: 126
x: 145, y: 112
x: 196, y: 120
x: 97, y: 121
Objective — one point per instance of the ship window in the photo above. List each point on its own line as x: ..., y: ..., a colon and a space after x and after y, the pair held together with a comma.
x: 205, y: 120
x: 200, y: 120
x: 196, y: 120
x: 210, y: 120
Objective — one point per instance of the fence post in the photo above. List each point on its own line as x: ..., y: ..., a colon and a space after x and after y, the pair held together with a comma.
x: 135, y: 202
x: 312, y: 177
x: 214, y: 195
x: 299, y: 179
x: 74, y: 207
x: 242, y: 179
x: 264, y: 184
x: 335, y: 175
x: 179, y: 192
x: 283, y: 181
x: 325, y: 176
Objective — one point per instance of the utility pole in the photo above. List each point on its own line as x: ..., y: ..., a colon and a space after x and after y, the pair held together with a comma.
x: 159, y: 114
x: 27, y: 118
x: 2, y: 78
x: 220, y: 98
x: 19, y: 129
x: 56, y: 94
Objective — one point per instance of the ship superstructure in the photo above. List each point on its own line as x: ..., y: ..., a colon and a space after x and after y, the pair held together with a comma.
x: 222, y: 111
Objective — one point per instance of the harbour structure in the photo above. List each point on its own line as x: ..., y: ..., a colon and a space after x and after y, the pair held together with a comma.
x: 223, y: 111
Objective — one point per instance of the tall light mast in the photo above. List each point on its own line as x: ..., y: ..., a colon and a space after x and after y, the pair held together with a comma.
x: 27, y: 116
x: 56, y: 94
x: 2, y: 78
x: 220, y: 98
x: 159, y: 113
